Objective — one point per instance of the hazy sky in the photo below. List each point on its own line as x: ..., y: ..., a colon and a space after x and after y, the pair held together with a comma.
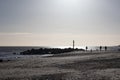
x: 58, y: 22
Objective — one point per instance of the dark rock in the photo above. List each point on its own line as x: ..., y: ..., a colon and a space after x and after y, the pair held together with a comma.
x: 1, y: 60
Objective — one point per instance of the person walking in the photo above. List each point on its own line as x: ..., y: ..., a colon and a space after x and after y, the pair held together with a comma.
x: 86, y: 48
x: 105, y: 48
x: 100, y: 48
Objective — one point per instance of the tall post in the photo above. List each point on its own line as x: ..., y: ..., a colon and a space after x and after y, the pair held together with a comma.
x: 73, y: 44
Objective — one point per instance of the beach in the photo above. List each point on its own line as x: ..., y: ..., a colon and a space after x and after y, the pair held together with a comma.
x: 75, y: 65
x: 59, y: 40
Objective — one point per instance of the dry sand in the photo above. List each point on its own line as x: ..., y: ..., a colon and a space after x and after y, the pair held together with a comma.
x: 67, y: 66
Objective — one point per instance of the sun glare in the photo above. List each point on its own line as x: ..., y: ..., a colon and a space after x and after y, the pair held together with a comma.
x: 67, y: 2
x: 70, y: 2
x: 75, y: 3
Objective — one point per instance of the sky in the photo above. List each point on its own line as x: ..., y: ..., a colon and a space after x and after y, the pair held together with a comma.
x: 58, y: 22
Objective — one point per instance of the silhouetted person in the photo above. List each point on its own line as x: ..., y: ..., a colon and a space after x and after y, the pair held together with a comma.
x: 86, y: 48
x: 105, y: 48
x: 100, y: 48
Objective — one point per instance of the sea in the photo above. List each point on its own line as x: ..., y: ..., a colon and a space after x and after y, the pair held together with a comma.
x: 13, y: 52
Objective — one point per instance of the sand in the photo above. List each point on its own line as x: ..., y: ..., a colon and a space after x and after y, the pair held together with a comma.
x: 67, y: 66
